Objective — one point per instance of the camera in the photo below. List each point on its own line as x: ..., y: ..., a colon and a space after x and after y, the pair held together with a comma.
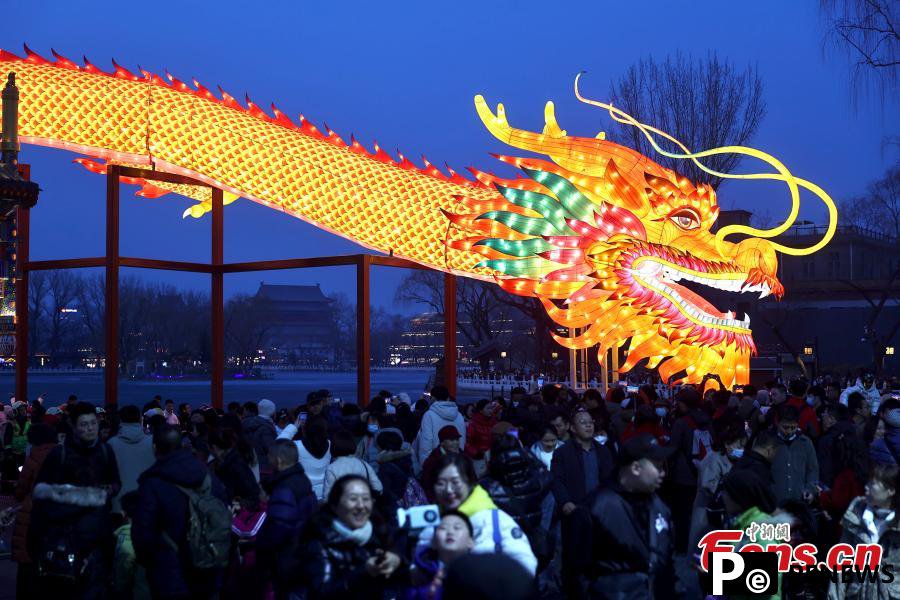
x: 419, y: 517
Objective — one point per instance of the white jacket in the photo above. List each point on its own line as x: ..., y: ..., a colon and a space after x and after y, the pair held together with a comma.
x: 872, y: 394
x: 439, y: 415
x: 350, y: 465
x: 511, y: 540
x: 314, y: 467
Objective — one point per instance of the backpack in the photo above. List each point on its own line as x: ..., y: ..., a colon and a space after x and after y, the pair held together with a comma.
x: 208, y: 536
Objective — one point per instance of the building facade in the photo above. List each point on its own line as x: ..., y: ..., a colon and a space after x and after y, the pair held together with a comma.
x: 300, y: 324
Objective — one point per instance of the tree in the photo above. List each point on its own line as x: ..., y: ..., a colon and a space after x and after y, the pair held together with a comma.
x: 704, y: 103
x: 868, y: 32
x: 879, y: 208
x: 63, y: 291
x: 38, y: 286
x: 344, y: 312
x: 246, y: 328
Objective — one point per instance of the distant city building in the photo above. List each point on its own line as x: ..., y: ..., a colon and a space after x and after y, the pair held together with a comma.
x: 827, y: 308
x: 300, y: 324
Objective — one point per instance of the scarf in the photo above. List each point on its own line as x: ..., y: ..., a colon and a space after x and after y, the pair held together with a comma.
x: 359, y: 537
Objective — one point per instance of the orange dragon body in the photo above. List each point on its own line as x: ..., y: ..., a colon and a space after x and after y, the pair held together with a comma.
x: 599, y: 233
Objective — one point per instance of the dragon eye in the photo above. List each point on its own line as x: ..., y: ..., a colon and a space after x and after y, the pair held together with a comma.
x: 686, y: 219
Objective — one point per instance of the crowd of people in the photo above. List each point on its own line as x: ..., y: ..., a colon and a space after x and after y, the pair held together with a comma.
x: 545, y: 495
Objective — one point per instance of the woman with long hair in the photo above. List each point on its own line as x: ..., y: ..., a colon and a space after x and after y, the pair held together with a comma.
x: 313, y: 449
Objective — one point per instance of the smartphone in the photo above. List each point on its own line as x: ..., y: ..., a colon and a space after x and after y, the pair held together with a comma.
x: 303, y: 417
x: 631, y: 389
x: 514, y: 433
x: 540, y: 382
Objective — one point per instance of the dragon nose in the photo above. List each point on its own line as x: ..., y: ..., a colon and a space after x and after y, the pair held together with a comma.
x: 755, y: 253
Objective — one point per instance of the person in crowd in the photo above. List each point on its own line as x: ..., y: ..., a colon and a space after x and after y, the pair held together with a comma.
x: 832, y: 392
x: 395, y: 469
x: 691, y: 440
x: 850, y: 463
x: 345, y: 463
x: 43, y: 440
x: 347, y: 549
x: 887, y: 448
x: 795, y: 469
x: 728, y: 447
x: 478, y: 433
x: 808, y: 422
x: 259, y: 430
x: 453, y: 538
x: 646, y: 420
x: 449, y: 441
x: 747, y: 501
x: 835, y: 423
x: 129, y: 578
x: 366, y: 449
x: 233, y: 468
x: 580, y: 468
x: 441, y: 413
x: 314, y: 451
x: 133, y: 450
x: 406, y: 421
x: 865, y: 386
x: 873, y: 519
x: 547, y: 444
x: 632, y: 528
x: 184, y: 414
x: 315, y: 403
x: 291, y: 503
x: 71, y: 511
x: 488, y: 577
x: 456, y: 488
x: 759, y: 459
x: 169, y: 413
x: 161, y: 524
x: 559, y: 420
x: 860, y: 411
x: 519, y: 485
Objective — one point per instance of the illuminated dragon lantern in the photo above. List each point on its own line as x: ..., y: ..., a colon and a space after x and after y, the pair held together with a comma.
x: 604, y: 237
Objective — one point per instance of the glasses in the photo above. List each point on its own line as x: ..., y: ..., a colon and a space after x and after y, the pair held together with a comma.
x: 443, y: 484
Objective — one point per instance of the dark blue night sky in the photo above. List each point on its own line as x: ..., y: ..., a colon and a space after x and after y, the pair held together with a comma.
x: 405, y: 74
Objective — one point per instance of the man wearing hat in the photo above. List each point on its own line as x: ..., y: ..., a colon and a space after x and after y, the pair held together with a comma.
x: 632, y: 527
x: 448, y: 443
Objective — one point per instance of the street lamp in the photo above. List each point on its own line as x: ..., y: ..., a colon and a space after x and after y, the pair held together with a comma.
x: 807, y: 350
x: 554, y: 355
x: 889, y: 350
x: 503, y: 354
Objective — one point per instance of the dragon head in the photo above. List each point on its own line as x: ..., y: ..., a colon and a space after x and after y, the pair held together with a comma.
x: 608, y: 240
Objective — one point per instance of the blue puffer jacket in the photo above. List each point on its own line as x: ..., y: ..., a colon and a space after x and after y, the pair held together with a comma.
x: 887, y: 449
x: 291, y: 502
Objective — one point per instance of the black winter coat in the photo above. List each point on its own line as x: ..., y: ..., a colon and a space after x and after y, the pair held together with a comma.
x: 333, y: 568
x: 395, y: 469
x: 632, y: 561
x: 260, y: 432
x: 568, y: 471
x: 163, y: 508
x: 238, y: 479
x: 519, y: 487
x: 83, y: 466
x: 756, y: 463
x: 291, y: 503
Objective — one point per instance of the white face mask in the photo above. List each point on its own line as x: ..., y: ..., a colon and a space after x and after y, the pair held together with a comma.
x: 601, y: 439
x: 661, y: 411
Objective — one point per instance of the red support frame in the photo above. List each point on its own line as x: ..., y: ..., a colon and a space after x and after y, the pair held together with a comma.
x: 217, y: 268
x: 23, y: 226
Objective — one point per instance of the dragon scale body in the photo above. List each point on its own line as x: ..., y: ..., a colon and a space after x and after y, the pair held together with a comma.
x: 599, y: 233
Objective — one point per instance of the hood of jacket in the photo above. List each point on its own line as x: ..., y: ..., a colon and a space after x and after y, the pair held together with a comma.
x: 253, y: 424
x: 180, y: 467
x: 282, y: 477
x: 445, y: 409
x: 477, y: 501
x: 131, y: 433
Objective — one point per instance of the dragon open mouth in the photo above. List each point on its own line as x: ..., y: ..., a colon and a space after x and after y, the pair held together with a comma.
x: 661, y: 278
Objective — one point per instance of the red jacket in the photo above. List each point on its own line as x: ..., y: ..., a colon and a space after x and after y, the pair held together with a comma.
x: 838, y: 499
x: 478, y: 435
x: 654, y: 429
x: 809, y: 422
